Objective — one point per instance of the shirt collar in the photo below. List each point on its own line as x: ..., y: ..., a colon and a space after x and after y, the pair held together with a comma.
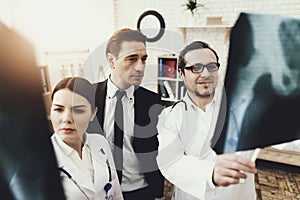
x: 66, y: 148
x: 112, y: 89
x: 190, y: 103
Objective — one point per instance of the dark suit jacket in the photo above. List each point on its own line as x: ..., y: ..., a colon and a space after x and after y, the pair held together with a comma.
x: 147, y: 107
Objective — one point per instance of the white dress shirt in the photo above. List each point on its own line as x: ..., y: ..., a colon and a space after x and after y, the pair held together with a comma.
x: 185, y: 157
x: 236, y: 116
x: 84, y: 163
x: 132, y: 178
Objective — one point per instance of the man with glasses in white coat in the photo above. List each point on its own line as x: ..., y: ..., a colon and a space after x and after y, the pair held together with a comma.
x: 186, y: 129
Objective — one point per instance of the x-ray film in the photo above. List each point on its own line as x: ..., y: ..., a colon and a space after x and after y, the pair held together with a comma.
x: 262, y: 83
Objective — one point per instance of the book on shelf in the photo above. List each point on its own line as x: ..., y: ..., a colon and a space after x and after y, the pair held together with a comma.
x: 169, y: 89
x: 167, y: 67
x: 162, y: 90
x: 43, y: 76
x: 160, y: 63
x: 181, y: 90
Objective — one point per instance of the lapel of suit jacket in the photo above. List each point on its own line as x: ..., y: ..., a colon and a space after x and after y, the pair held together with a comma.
x: 139, y: 116
x: 100, y: 101
x: 99, y: 157
x: 142, y: 126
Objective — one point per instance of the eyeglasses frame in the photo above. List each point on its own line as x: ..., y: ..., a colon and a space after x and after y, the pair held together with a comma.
x: 192, y: 67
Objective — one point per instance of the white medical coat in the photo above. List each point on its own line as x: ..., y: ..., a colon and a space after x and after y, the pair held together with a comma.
x: 185, y: 157
x: 100, y: 153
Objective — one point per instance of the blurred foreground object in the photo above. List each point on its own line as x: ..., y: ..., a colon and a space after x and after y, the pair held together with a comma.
x: 27, y: 162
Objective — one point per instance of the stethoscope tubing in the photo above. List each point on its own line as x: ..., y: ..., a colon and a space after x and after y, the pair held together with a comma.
x: 106, y: 188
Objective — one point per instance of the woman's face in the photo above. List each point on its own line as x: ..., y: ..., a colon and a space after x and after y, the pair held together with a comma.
x: 70, y: 115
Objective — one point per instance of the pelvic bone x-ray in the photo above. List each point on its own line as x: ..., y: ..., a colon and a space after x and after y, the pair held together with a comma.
x: 262, y: 83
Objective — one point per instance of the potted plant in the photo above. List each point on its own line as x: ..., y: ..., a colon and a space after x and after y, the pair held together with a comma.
x: 192, y: 6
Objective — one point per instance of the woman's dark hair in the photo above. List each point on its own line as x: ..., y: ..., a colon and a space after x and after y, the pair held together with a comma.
x: 115, y: 41
x: 80, y: 86
x: 194, y: 45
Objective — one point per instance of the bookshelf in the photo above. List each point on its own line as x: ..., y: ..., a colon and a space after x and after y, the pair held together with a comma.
x: 44, y: 72
x: 170, y: 86
x: 45, y: 78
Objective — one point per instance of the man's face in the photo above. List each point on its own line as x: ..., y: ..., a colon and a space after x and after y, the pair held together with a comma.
x: 128, y: 68
x: 201, y: 84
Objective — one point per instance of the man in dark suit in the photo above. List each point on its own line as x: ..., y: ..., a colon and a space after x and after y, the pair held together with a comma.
x: 137, y: 168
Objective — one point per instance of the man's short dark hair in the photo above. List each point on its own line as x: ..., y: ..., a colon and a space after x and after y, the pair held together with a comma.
x: 192, y: 46
x: 115, y: 41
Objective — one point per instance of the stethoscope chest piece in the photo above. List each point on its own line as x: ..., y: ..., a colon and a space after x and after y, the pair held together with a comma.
x: 107, y: 187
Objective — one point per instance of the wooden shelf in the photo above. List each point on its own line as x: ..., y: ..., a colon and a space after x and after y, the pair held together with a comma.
x: 168, y: 56
x: 167, y: 79
x: 206, y: 26
x: 280, y: 156
x: 184, y: 29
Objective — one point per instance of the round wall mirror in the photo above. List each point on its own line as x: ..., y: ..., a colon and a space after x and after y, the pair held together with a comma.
x: 152, y: 25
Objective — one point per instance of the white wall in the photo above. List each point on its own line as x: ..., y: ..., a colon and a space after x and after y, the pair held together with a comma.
x: 59, y: 26
x: 63, y: 25
x: 175, y: 16
x: 5, y: 12
x: 128, y: 11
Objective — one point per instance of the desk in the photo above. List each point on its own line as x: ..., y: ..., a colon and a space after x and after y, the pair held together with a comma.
x: 278, y: 175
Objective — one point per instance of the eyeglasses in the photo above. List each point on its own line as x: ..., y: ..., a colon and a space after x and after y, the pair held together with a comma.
x: 198, y: 67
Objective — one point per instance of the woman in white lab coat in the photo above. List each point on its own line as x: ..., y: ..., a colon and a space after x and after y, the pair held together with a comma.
x: 84, y: 160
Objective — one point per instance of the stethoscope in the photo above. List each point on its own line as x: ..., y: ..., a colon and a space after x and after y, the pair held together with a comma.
x: 180, y: 101
x: 184, y: 114
x: 106, y: 188
x: 184, y: 121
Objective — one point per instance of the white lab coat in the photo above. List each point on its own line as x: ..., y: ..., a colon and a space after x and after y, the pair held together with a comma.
x: 100, y: 153
x: 185, y: 157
